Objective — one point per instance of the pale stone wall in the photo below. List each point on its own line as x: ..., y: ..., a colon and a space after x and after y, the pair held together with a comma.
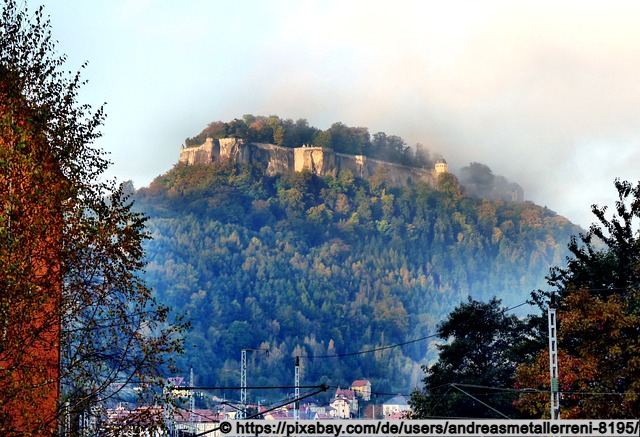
x: 441, y: 166
x: 318, y: 160
x: 236, y: 149
x: 397, y: 174
x: 324, y: 162
x: 276, y: 159
x: 203, y: 154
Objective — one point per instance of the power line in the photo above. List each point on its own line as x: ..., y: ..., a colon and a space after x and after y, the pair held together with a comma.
x: 479, y: 401
x: 205, y: 416
x: 517, y: 306
x: 485, y: 387
x: 378, y: 393
x: 441, y: 398
x: 378, y: 349
x: 320, y: 389
x: 534, y: 390
x: 256, y: 387
x: 368, y: 351
x: 381, y: 348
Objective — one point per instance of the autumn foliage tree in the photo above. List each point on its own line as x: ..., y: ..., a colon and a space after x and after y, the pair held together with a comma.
x: 599, y: 320
x: 30, y: 268
x: 77, y: 324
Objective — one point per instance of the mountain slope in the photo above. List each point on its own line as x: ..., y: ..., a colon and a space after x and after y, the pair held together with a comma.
x: 312, y: 266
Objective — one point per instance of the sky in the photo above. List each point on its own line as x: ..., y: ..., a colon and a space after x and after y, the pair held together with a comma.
x: 546, y: 93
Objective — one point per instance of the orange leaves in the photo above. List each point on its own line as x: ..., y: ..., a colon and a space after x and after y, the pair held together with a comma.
x: 591, y: 314
x: 598, y: 361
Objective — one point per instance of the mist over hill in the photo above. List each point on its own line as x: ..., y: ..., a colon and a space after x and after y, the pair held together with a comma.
x: 325, y: 267
x: 282, y: 145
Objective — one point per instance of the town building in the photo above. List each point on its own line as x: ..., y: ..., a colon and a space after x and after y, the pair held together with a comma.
x: 362, y: 388
x: 395, y: 405
x: 344, y: 403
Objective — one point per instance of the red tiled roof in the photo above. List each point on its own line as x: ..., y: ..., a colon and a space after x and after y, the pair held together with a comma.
x: 279, y: 415
x: 349, y: 394
x: 176, y: 381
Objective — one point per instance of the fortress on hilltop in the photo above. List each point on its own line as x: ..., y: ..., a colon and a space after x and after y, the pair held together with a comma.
x: 323, y: 162
x: 318, y: 160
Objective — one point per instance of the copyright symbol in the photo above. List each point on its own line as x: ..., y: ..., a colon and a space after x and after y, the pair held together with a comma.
x: 225, y: 427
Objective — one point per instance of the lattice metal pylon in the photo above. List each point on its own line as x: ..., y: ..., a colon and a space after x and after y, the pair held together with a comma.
x: 243, y: 384
x: 296, y: 410
x: 553, y: 363
x: 192, y: 402
x: 242, y: 411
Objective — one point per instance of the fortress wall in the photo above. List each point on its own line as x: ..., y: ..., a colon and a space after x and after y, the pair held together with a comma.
x: 355, y: 163
x: 324, y: 162
x: 203, y: 154
x: 276, y: 159
x: 397, y: 174
x: 236, y: 149
x: 318, y: 160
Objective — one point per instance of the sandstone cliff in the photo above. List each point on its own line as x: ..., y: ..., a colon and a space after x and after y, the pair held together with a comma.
x: 318, y: 160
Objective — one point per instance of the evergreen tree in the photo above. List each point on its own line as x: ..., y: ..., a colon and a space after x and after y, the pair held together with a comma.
x: 476, y: 364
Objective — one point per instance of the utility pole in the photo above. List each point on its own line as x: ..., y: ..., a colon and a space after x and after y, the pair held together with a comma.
x: 296, y: 410
x: 192, y: 402
x: 243, y: 381
x: 169, y: 415
x: 553, y: 360
x: 243, y: 384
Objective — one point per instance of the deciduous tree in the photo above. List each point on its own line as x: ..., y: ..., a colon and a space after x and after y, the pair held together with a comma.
x: 598, y: 319
x: 79, y: 326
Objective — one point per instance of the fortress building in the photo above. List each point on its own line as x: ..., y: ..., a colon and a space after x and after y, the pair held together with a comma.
x: 323, y: 162
x: 441, y: 166
x: 318, y: 160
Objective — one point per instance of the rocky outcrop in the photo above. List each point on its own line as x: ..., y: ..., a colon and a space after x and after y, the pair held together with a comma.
x: 395, y: 174
x: 317, y: 160
x: 234, y: 149
x: 203, y: 154
x: 275, y: 159
x: 323, y: 162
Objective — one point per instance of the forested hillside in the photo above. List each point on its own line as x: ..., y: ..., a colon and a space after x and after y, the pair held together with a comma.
x: 318, y: 267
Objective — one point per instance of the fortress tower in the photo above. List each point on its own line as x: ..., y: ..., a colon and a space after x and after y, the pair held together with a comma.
x: 441, y: 166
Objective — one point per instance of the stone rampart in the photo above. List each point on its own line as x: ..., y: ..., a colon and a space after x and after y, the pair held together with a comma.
x: 396, y: 174
x: 203, y: 154
x: 318, y: 160
x: 324, y: 162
